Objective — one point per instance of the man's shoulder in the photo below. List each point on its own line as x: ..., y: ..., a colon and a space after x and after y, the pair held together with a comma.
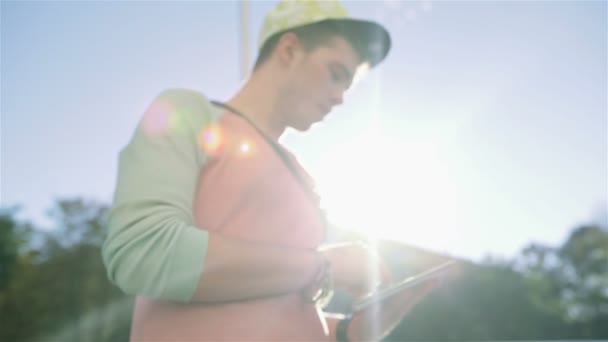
x: 184, y: 96
x: 185, y: 104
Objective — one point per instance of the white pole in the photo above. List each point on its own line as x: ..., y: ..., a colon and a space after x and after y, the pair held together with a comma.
x: 244, y: 38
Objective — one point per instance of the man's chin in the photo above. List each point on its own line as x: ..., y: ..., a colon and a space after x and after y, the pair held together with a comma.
x: 304, y: 127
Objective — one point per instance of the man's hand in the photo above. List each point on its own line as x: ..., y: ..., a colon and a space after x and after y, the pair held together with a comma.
x: 356, y: 268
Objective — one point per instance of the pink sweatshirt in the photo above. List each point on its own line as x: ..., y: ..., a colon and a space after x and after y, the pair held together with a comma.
x: 245, y: 191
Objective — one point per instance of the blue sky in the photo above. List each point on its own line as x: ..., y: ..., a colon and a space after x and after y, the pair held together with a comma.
x: 485, y: 129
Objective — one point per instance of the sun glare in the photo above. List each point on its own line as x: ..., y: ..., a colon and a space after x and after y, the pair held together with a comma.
x: 398, y: 190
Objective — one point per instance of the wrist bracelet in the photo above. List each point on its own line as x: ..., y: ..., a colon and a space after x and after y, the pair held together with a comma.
x: 322, y: 285
x: 342, y: 329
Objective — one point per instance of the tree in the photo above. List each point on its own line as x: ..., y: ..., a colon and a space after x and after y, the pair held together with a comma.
x: 62, y: 292
x: 485, y: 302
x: 572, y: 280
x: 10, y: 242
x: 584, y: 258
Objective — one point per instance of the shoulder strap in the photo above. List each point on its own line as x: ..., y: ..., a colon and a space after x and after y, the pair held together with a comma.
x: 284, y: 157
x: 275, y: 146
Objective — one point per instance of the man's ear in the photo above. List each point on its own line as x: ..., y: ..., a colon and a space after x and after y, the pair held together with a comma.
x: 288, y: 48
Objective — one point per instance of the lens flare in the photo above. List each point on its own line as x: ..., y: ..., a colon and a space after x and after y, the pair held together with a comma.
x: 156, y: 118
x: 177, y: 124
x: 245, y: 148
x: 211, y: 139
x: 361, y: 72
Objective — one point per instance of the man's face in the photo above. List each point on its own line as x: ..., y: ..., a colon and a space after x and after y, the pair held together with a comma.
x: 317, y: 81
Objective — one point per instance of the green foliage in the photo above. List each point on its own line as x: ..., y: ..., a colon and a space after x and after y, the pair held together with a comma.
x: 487, y: 302
x: 60, y: 291
x: 8, y: 248
x: 548, y: 293
x: 572, y: 280
x: 584, y: 286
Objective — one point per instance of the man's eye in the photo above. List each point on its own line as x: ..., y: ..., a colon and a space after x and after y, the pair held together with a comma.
x: 335, y: 75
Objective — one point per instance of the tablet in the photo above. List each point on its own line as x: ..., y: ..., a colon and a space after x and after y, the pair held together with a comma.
x: 408, y: 282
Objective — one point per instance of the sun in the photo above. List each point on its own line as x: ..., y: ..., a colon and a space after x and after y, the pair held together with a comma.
x: 394, y: 189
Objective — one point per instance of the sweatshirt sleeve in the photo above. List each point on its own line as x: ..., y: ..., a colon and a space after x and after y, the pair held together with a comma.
x: 152, y: 247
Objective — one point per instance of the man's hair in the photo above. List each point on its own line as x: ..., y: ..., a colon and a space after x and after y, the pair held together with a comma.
x: 312, y: 36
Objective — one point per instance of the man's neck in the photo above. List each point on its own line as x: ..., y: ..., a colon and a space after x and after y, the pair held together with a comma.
x: 258, y: 99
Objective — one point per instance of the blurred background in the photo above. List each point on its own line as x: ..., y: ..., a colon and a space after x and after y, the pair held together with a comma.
x: 482, y: 137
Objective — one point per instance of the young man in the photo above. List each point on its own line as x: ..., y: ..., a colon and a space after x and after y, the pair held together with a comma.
x: 214, y: 224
